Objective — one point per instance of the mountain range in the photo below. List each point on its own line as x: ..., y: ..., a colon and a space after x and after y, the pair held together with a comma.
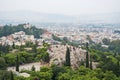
x: 8, y: 17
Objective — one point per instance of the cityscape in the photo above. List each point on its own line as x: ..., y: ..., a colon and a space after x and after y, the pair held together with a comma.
x: 59, y: 40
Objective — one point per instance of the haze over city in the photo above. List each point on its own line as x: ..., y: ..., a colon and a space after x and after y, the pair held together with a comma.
x: 80, y: 11
x: 69, y: 7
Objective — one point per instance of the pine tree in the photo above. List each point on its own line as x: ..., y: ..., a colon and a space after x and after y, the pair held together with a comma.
x: 87, y: 56
x: 68, y: 63
x: 17, y: 63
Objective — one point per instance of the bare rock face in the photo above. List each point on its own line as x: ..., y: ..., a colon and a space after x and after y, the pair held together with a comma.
x: 58, y: 52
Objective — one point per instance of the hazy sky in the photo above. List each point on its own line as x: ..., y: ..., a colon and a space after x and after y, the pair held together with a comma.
x: 70, y: 7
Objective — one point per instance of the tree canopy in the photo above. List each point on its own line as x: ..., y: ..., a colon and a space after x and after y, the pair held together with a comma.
x: 9, y: 29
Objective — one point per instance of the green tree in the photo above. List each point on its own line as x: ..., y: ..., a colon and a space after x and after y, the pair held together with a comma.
x: 109, y: 76
x: 10, y: 59
x: 67, y: 61
x: 45, y: 76
x: 56, y: 70
x: 13, y: 46
x: 45, y: 69
x: 45, y: 57
x: 83, y: 70
x: 118, y: 65
x: 91, y: 62
x: 5, y: 75
x: 6, y: 48
x: 114, y: 46
x: 3, y: 64
x: 64, y: 76
x: 56, y: 38
x: 12, y: 76
x: 29, y: 44
x: 106, y: 41
x: 87, y: 56
x: 65, y: 39
x: 34, y: 48
x: 17, y: 63
x: 33, y: 68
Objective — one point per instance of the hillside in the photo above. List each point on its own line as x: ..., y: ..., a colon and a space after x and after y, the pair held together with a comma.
x: 31, y: 30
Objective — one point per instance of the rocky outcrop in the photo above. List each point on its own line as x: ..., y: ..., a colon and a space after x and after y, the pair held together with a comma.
x: 58, y: 52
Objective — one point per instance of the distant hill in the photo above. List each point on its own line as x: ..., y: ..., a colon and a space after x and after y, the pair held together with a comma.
x: 9, y: 29
x: 100, y: 18
x: 37, y: 17
x: 33, y: 17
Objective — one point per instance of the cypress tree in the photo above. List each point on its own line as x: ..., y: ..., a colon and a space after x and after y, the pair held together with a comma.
x: 6, y: 48
x: 33, y: 68
x: 12, y: 76
x: 47, y: 58
x: 13, y: 46
x: 87, y: 56
x: 68, y: 63
x: 17, y: 63
x: 91, y: 63
x: 118, y: 64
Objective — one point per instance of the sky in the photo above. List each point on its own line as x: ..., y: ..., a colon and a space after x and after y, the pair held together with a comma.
x: 67, y: 7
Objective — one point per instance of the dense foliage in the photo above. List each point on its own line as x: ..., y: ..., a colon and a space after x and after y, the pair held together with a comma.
x: 25, y: 56
x: 107, y: 57
x: 6, y: 75
x: 3, y: 64
x: 108, y: 67
x: 107, y: 61
x: 112, y: 46
x: 66, y: 73
x: 9, y: 29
